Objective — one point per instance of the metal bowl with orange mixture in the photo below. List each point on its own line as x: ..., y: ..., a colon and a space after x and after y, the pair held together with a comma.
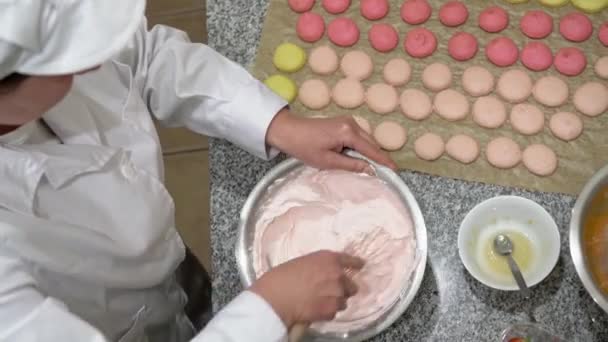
x: 589, y: 237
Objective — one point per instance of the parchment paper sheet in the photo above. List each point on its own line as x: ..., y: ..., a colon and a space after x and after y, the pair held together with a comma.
x: 578, y: 160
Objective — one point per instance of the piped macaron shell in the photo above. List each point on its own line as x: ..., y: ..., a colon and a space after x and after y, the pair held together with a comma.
x: 502, y: 51
x: 343, y: 32
x: 289, y: 57
x: 374, y: 9
x: 335, y: 6
x: 415, y: 12
x: 536, y: 24
x: 602, y: 34
x: 453, y: 13
x: 283, y: 86
x: 462, y: 46
x: 536, y: 56
x: 570, y: 61
x: 576, y: 27
x: 590, y: 6
x: 383, y: 37
x: 310, y: 27
x: 301, y: 6
x: 493, y: 19
x: 553, y: 3
x: 420, y: 42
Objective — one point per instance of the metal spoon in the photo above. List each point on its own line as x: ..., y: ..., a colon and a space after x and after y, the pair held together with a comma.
x: 503, y: 246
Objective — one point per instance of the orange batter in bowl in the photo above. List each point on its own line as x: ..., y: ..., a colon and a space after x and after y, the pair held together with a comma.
x: 595, y: 238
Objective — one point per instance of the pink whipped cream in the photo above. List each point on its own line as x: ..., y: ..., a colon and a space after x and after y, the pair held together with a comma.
x: 311, y: 210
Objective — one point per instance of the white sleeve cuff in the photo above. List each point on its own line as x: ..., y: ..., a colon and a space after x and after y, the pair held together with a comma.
x: 247, y: 318
x: 249, y: 115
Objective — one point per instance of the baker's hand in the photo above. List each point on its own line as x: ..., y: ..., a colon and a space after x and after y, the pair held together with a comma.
x: 319, y: 142
x: 310, y: 288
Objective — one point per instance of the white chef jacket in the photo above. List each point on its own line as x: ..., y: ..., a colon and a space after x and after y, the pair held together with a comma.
x: 88, y: 246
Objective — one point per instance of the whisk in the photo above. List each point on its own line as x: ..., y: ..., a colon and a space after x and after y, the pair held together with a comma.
x: 366, y: 247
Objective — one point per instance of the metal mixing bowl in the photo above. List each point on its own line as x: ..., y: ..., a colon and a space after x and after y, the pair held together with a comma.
x: 246, y: 232
x: 596, y: 183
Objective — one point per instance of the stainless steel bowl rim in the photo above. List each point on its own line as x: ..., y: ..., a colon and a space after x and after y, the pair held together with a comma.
x: 576, y: 228
x: 244, y: 262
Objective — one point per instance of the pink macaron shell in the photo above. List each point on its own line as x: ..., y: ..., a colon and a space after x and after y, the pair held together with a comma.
x: 493, y: 19
x: 536, y: 56
x: 536, y: 24
x: 453, y: 13
x: 415, y: 12
x: 374, y: 9
x: 462, y: 46
x: 383, y: 37
x: 602, y: 34
x: 301, y: 6
x: 570, y: 61
x: 310, y: 27
x: 502, y: 51
x: 343, y: 32
x: 420, y: 43
x: 576, y: 27
x: 336, y: 6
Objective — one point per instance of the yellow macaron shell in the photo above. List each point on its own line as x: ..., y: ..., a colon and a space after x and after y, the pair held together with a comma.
x: 282, y: 86
x: 553, y: 3
x: 590, y: 6
x: 289, y: 57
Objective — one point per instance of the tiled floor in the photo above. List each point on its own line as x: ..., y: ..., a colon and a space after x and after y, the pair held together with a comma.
x: 186, y: 154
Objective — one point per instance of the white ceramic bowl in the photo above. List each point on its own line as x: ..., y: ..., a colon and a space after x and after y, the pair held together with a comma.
x: 490, y: 218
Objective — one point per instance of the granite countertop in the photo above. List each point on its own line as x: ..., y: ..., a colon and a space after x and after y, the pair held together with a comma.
x: 450, y: 303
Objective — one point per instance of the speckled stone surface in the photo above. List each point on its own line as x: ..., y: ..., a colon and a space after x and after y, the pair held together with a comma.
x: 450, y: 305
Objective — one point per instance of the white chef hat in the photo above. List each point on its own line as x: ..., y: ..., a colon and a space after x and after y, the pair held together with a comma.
x: 56, y: 37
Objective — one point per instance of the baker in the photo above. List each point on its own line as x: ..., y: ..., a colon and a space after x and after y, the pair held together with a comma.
x: 88, y: 246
